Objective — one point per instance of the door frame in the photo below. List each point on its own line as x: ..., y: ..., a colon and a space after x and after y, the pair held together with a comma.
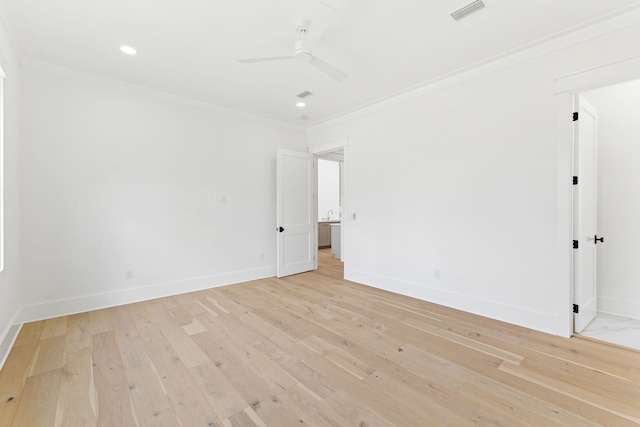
x: 343, y: 144
x: 567, y: 89
x: 588, y: 310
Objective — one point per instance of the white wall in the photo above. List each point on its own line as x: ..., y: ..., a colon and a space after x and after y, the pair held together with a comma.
x: 10, y: 277
x: 328, y: 188
x: 462, y: 178
x: 618, y: 201
x: 114, y: 181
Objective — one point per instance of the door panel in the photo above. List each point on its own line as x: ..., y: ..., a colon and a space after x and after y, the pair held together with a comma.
x: 586, y: 295
x: 296, y: 241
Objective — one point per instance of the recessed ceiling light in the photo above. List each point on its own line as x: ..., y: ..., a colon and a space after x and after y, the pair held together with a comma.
x: 128, y: 50
x: 300, y: 104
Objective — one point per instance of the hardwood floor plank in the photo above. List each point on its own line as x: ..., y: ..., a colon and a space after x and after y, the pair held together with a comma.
x: 50, y: 355
x: 234, y: 364
x: 188, y: 399
x: 310, y: 409
x: 272, y: 411
x: 76, y: 405
x: 54, y: 327
x: 29, y: 333
x: 78, y: 334
x: 353, y: 412
x: 150, y: 402
x: 112, y: 386
x: 13, y: 378
x: 190, y: 354
x: 100, y: 321
x: 308, y: 350
x: 222, y: 394
x: 37, y: 406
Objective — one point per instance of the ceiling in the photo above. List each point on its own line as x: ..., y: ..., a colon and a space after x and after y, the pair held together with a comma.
x: 191, y: 47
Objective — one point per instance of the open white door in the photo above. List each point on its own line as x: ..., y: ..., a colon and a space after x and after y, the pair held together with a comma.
x: 585, y: 202
x: 295, y: 215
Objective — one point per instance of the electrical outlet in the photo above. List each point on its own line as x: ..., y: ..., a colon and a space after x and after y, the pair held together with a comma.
x: 436, y: 274
x: 128, y: 274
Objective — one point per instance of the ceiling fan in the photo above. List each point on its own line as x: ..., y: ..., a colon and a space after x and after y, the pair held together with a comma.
x: 303, y: 55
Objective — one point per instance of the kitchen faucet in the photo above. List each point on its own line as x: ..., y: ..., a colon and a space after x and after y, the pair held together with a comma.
x: 329, y: 213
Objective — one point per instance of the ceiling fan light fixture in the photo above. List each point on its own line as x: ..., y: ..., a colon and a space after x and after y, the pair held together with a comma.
x: 472, y: 7
x: 128, y: 50
x: 304, y: 56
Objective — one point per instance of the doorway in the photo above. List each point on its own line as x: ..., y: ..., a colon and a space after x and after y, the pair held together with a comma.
x: 331, y: 206
x: 617, y: 272
x: 567, y: 88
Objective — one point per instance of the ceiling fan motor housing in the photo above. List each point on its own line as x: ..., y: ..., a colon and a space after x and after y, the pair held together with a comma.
x: 301, y: 54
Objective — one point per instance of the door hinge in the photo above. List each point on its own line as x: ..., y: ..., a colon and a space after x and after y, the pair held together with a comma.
x: 575, y: 117
x: 575, y: 180
x: 575, y: 244
x: 576, y: 308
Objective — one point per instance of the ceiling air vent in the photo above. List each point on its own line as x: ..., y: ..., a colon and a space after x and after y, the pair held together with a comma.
x: 468, y: 10
x: 304, y: 94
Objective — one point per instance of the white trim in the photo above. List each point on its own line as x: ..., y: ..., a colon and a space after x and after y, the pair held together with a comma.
x: 567, y: 88
x: 137, y: 89
x: 50, y: 309
x: 330, y: 146
x: 564, y: 213
x: 619, y: 307
x: 7, y: 339
x: 613, y: 22
x: 340, y: 144
x: 541, y: 321
x: 605, y: 75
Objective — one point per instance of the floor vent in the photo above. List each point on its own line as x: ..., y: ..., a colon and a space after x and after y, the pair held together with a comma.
x: 468, y: 10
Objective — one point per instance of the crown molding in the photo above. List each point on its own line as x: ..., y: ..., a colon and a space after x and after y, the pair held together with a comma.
x: 616, y: 21
x: 150, y: 92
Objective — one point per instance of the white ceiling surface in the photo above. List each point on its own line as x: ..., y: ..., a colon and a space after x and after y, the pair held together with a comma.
x: 191, y: 47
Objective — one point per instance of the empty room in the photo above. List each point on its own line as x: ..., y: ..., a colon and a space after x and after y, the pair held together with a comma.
x: 319, y: 213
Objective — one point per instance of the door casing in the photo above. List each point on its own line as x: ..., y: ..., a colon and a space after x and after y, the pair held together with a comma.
x: 344, y: 190
x: 566, y: 89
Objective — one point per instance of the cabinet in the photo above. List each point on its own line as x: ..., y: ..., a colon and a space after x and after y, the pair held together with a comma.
x: 324, y: 235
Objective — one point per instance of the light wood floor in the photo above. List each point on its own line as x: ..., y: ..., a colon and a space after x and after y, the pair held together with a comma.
x: 308, y: 350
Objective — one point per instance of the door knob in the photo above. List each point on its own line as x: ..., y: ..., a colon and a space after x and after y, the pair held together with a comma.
x: 597, y: 239
x: 280, y: 229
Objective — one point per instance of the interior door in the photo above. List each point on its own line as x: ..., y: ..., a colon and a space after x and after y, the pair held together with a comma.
x: 295, y: 214
x: 585, y: 288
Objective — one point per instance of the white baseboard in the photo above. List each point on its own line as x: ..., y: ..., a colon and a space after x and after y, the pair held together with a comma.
x: 540, y: 321
x: 63, y: 307
x: 7, y: 338
x: 619, y: 307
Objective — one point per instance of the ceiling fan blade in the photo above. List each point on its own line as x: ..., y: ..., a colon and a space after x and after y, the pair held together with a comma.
x: 266, y: 59
x: 337, y: 74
